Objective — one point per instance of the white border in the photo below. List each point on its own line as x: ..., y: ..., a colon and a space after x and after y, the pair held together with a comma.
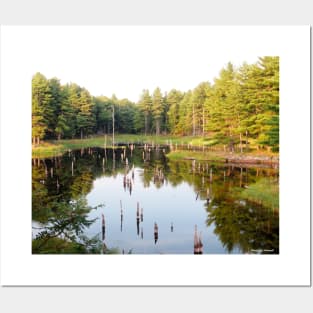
x: 291, y: 267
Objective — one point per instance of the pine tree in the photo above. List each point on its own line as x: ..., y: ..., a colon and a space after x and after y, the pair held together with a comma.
x: 226, y: 107
x: 184, y: 126
x: 157, y: 109
x: 64, y: 125
x: 174, y: 98
x: 40, y: 107
x: 102, y: 114
x: 270, y: 71
x: 199, y: 96
x: 84, y: 118
x: 145, y: 104
x: 53, y: 108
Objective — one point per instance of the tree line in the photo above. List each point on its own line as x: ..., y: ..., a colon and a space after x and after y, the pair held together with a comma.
x: 242, y: 104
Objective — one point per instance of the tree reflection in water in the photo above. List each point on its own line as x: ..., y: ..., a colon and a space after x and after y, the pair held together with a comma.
x: 245, y: 225
x: 242, y: 213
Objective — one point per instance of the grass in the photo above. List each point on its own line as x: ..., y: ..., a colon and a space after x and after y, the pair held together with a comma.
x: 197, y: 155
x: 219, y: 155
x: 47, y: 149
x: 58, y: 147
x: 265, y: 191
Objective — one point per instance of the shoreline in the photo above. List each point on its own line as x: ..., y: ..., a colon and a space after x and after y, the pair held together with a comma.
x: 252, y: 158
x: 177, y: 151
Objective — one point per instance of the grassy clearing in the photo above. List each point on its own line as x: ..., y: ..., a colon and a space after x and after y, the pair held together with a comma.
x: 221, y: 156
x: 47, y: 149
x: 265, y: 191
x: 197, y: 155
x: 58, y: 147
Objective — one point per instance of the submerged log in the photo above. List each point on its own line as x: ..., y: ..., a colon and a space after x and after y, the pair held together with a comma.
x: 156, y: 233
x: 198, y: 246
x: 121, y: 220
x: 103, y: 227
x: 137, y: 222
x: 138, y: 210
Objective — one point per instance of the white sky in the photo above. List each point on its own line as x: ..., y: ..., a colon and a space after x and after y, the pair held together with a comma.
x: 127, y: 59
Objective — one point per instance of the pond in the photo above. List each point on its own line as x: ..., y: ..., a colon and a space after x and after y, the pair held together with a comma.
x: 134, y: 200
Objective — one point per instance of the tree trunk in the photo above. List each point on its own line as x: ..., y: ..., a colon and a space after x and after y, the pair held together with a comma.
x: 146, y: 124
x: 157, y: 127
x: 113, y: 128
x: 203, y: 119
x: 193, y: 120
x: 240, y: 143
x: 81, y: 133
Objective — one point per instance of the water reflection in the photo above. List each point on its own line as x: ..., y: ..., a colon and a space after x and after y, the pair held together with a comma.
x: 137, y: 223
x: 137, y: 218
x: 235, y: 207
x: 198, y: 246
x: 103, y: 228
x: 156, y: 233
x: 121, y: 220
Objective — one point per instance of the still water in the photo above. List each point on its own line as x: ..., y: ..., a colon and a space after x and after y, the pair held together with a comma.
x: 145, y: 204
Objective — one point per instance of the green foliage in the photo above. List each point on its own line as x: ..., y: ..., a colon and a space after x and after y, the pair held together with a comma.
x: 157, y: 109
x: 190, y: 155
x: 174, y: 98
x: 245, y: 217
x: 241, y: 107
x: 144, y: 105
x: 67, y: 222
x: 184, y: 126
x: 265, y: 192
x: 199, y: 110
x: 40, y: 107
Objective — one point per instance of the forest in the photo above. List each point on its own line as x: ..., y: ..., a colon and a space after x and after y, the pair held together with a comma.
x: 240, y: 106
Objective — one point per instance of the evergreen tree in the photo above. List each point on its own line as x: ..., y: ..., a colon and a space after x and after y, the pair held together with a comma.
x: 40, y: 103
x: 102, y: 114
x: 84, y: 118
x: 157, y: 109
x: 185, y: 125
x: 226, y: 107
x: 270, y: 97
x: 164, y: 117
x: 174, y: 98
x: 55, y: 119
x: 145, y: 106
x: 242, y: 105
x: 199, y: 96
x: 64, y: 124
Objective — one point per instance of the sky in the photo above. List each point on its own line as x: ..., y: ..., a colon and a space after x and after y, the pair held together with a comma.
x: 124, y: 60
